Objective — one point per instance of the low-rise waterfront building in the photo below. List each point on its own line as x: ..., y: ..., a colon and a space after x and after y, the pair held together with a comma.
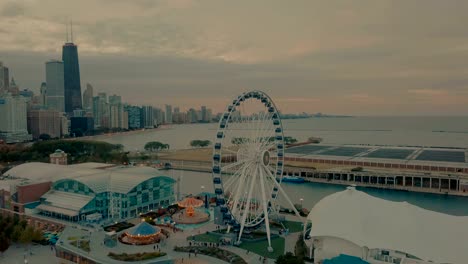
x: 71, y: 192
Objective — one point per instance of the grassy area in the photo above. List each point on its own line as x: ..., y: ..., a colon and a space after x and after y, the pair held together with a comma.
x: 260, y: 247
x: 293, y: 226
x: 81, y: 244
x: 205, y: 238
x: 136, y: 256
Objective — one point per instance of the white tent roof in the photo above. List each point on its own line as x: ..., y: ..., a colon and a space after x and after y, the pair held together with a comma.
x: 376, y: 223
x: 100, y: 177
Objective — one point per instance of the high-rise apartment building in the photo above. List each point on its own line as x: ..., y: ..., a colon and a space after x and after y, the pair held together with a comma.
x: 43, y: 95
x: 192, y: 116
x: 55, y: 97
x: 81, y: 126
x: 72, y: 80
x: 4, y: 78
x: 13, y: 119
x: 115, y: 99
x: 125, y: 120
x: 12, y: 88
x: 134, y: 117
x: 209, y: 115
x: 88, y: 98
x: 168, y: 114
x: 148, y: 120
x: 116, y: 112
x: 159, y: 116
x: 101, y: 111
x: 116, y: 115
x: 45, y: 122
x: 204, y: 114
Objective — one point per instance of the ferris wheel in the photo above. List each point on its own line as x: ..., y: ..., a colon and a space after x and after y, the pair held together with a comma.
x: 248, y: 161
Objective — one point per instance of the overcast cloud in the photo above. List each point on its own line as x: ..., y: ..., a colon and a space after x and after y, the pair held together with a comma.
x: 350, y: 57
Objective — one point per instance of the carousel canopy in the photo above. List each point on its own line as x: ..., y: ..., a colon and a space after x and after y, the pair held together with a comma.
x: 190, y: 202
x: 143, y: 229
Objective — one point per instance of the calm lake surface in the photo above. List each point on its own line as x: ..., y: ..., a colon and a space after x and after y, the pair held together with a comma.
x: 192, y: 182
x: 409, y: 131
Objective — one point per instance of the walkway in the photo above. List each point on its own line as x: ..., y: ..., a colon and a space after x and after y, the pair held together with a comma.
x: 40, y: 254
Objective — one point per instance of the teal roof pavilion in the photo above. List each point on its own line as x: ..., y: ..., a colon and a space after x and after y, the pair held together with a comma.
x: 143, y: 229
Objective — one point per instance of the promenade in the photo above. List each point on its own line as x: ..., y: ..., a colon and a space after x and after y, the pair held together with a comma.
x: 99, y: 251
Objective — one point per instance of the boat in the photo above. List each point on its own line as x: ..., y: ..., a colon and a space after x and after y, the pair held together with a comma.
x: 292, y: 179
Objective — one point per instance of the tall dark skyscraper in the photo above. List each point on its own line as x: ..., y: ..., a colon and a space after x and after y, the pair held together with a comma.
x: 71, y: 69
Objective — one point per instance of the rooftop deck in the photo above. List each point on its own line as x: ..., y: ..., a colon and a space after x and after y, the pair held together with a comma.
x: 424, y: 156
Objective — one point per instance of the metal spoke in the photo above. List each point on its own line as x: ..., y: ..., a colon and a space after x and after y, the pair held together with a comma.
x: 244, y: 216
x: 265, y: 204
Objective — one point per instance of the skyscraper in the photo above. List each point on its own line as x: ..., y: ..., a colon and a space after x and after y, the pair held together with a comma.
x: 88, y: 98
x: 43, y: 96
x: 13, y: 119
x: 134, y: 117
x: 4, y: 77
x: 71, y: 69
x: 158, y: 115
x: 116, y: 112
x: 101, y: 111
x: 45, y: 122
x: 204, y: 114
x: 148, y: 119
x: 55, y: 85
x: 168, y: 114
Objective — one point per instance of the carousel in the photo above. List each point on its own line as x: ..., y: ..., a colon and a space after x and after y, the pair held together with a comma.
x: 190, y: 215
x: 141, y: 234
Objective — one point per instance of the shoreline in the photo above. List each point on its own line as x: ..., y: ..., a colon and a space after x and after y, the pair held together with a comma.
x: 124, y: 133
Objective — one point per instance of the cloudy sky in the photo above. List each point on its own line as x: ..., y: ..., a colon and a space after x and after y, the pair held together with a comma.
x: 366, y: 57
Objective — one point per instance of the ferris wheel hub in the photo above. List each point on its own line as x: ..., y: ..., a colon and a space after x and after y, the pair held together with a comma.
x: 265, y: 158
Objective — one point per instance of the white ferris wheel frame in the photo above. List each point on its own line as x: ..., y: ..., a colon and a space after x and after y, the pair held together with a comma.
x: 246, y: 197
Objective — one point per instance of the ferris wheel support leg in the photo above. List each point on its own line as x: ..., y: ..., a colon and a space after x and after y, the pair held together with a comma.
x: 265, y: 209
x: 287, y: 199
x: 285, y: 196
x: 246, y: 210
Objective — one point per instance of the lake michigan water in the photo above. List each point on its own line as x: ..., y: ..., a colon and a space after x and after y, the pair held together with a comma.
x: 408, y: 131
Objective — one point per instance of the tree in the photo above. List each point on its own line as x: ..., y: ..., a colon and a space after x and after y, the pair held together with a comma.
x: 3, y: 242
x: 44, y: 137
x: 119, y: 147
x: 289, y: 258
x: 27, y: 235
x: 37, y: 235
x: 289, y: 140
x: 156, y: 146
x: 200, y: 143
x: 16, y: 234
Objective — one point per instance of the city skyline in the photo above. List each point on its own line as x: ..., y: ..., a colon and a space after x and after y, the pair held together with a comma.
x: 367, y: 58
